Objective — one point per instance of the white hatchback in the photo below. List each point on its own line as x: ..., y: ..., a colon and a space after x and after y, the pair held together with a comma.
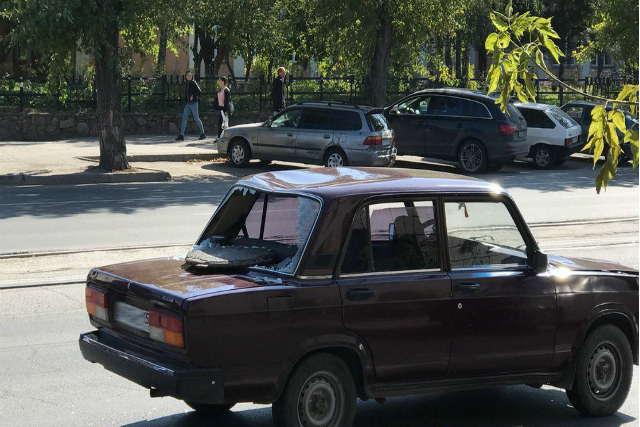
x: 552, y: 134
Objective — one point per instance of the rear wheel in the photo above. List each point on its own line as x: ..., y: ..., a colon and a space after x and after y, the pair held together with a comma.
x: 320, y: 393
x: 472, y: 157
x: 206, y: 409
x: 603, y: 374
x: 543, y: 157
x: 334, y: 157
x: 239, y: 153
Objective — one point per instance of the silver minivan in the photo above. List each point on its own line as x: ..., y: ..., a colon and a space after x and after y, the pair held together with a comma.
x: 328, y: 133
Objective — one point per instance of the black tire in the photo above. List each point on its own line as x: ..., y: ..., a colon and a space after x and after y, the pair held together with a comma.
x: 321, y: 390
x: 206, y: 409
x: 334, y: 157
x: 239, y: 153
x: 603, y: 374
x: 472, y: 157
x: 543, y: 157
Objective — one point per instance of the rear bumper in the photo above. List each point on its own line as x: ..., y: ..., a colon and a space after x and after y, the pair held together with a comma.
x: 165, y: 377
x: 371, y: 157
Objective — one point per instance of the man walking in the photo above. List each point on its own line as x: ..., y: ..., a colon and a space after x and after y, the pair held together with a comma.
x: 192, y: 96
x: 277, y: 91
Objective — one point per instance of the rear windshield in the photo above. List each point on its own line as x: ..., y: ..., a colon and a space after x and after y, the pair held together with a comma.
x: 377, y: 122
x: 513, y: 113
x: 563, y: 118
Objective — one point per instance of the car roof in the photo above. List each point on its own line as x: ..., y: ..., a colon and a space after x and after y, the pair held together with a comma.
x: 333, y: 105
x: 534, y: 105
x: 329, y: 183
x: 582, y: 103
x: 470, y: 93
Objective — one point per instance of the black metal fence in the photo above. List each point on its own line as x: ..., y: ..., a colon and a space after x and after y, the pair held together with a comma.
x: 167, y: 92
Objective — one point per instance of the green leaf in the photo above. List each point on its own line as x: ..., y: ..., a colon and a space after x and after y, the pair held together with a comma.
x: 504, y: 40
x: 499, y: 23
x: 604, y: 176
x: 494, y: 78
x: 490, y: 42
x: 611, y: 135
x: 528, y: 83
x: 539, y: 58
x: 552, y: 48
x: 617, y: 117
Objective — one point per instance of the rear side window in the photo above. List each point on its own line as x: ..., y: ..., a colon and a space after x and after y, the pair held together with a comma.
x: 377, y: 122
x: 475, y: 109
x: 346, y: 120
x: 537, y: 118
x: 575, y: 113
x: 316, y: 119
x: 562, y: 118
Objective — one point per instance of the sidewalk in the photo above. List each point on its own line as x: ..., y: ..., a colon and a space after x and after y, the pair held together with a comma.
x: 74, y: 161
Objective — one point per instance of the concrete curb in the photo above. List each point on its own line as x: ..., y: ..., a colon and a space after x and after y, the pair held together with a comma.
x: 42, y: 283
x: 178, y: 157
x: 85, y: 178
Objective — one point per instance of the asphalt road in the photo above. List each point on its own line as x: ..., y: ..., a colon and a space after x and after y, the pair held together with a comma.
x: 45, y: 381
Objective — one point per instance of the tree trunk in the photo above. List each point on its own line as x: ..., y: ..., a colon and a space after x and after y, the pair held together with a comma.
x: 465, y: 66
x: 459, y: 57
x: 482, y: 61
x: 113, y: 151
x: 601, y: 57
x: 380, y: 62
x: 162, y: 52
x: 221, y: 57
x: 447, y: 53
x: 247, y: 73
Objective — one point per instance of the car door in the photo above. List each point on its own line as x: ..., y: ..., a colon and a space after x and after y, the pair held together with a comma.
x: 394, y: 293
x: 408, y: 121
x: 278, y: 140
x: 315, y: 133
x: 504, y: 313
x: 444, y: 125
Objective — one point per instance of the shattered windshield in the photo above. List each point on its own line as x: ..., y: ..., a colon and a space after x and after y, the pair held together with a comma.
x: 256, y: 229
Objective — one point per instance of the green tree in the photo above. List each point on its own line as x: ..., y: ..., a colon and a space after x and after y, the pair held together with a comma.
x: 517, y: 47
x: 58, y: 28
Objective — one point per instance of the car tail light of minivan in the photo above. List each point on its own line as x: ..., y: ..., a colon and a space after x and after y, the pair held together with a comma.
x: 96, y: 302
x: 508, y: 129
x: 166, y: 328
x: 373, y: 140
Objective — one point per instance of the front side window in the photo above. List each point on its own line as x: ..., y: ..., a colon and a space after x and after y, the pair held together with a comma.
x: 397, y: 236
x: 483, y: 234
x: 279, y: 224
x: 418, y: 105
x: 288, y: 119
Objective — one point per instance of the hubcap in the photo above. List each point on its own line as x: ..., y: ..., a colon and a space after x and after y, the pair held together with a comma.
x: 335, y: 160
x: 319, y: 401
x: 603, y: 372
x: 237, y: 154
x: 542, y: 158
x: 471, y: 157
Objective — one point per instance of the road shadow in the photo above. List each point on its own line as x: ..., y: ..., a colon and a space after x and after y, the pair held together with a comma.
x: 508, y: 407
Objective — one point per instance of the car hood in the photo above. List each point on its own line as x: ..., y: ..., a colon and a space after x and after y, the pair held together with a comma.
x: 174, y: 276
x: 571, y: 263
x: 244, y: 126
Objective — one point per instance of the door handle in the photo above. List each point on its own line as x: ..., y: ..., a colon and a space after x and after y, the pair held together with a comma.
x: 326, y: 136
x: 289, y: 134
x: 466, y: 287
x: 360, y: 294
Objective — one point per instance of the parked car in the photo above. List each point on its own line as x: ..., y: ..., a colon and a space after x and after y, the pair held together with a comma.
x: 580, y: 111
x: 552, y: 135
x: 459, y: 125
x: 311, y: 288
x: 327, y: 133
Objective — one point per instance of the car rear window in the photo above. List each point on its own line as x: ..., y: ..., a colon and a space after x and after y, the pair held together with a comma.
x: 346, y: 120
x: 377, y: 122
x: 563, y: 118
x: 536, y: 118
x: 513, y: 113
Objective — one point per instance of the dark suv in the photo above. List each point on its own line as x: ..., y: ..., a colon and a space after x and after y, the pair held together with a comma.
x: 458, y: 124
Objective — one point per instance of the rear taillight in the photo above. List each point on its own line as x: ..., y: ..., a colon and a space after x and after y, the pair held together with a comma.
x: 97, y: 303
x: 373, y: 140
x: 166, y: 328
x: 508, y: 129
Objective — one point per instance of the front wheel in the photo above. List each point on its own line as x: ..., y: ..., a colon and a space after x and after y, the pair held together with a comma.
x: 603, y: 374
x: 472, y: 157
x: 320, y: 393
x: 239, y: 153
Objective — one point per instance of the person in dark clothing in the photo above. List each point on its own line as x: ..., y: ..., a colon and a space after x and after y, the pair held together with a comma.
x: 191, y: 98
x: 221, y: 104
x: 277, y: 91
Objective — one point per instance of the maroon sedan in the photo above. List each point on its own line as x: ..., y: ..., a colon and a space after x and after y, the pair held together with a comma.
x: 311, y: 288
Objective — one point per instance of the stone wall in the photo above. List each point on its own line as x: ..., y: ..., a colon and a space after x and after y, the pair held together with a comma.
x: 63, y: 125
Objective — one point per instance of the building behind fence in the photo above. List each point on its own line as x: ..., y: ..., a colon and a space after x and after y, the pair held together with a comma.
x: 166, y: 93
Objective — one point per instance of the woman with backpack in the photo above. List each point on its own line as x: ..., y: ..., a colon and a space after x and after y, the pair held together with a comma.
x: 191, y: 97
x: 222, y: 104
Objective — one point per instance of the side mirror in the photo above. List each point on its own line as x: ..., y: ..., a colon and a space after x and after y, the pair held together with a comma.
x: 268, y: 123
x: 394, y: 110
x: 540, y: 262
